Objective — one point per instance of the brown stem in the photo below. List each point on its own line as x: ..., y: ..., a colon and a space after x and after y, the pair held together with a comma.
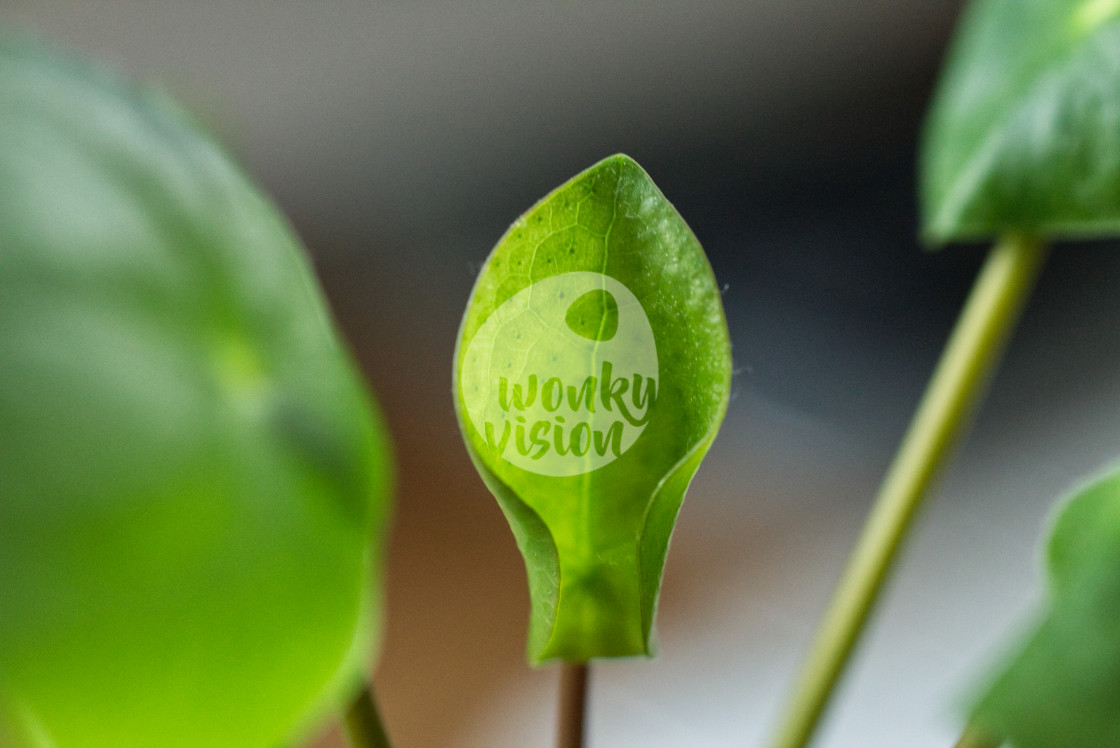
x: 572, y: 724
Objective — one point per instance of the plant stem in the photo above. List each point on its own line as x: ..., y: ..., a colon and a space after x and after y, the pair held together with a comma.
x: 571, y: 725
x: 966, y: 365
x: 363, y: 725
x: 974, y: 739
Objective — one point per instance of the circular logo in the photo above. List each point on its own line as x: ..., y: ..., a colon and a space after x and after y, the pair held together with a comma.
x: 562, y: 378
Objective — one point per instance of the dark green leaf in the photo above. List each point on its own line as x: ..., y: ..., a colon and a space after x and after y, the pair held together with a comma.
x: 1024, y: 131
x: 193, y: 481
x: 592, y: 372
x: 1063, y: 687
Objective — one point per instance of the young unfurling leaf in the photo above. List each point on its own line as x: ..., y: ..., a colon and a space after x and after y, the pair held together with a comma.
x: 591, y: 374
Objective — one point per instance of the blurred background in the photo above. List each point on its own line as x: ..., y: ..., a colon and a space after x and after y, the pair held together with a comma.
x: 402, y: 139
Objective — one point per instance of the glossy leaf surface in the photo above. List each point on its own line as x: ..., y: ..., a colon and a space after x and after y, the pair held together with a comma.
x: 193, y: 480
x: 1024, y: 131
x: 591, y: 374
x: 1063, y: 688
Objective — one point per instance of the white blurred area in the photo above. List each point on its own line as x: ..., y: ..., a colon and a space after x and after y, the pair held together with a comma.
x: 402, y: 138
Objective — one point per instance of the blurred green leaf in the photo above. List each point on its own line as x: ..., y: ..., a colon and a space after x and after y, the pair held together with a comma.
x: 193, y: 479
x: 1024, y: 130
x: 1063, y: 687
x: 592, y: 373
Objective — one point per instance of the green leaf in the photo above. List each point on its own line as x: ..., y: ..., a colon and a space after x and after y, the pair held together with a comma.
x: 1063, y: 686
x: 1024, y: 131
x: 592, y: 372
x: 193, y: 479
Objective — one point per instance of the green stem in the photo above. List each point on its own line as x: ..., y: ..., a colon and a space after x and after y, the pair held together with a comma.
x: 572, y: 720
x: 363, y: 725
x: 966, y: 365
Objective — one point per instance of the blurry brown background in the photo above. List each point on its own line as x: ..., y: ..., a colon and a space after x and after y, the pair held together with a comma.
x: 402, y: 138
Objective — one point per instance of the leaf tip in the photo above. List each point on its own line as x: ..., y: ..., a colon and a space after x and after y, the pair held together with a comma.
x: 621, y: 163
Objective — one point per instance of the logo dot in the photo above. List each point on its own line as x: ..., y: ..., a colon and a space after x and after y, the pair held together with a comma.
x: 594, y: 315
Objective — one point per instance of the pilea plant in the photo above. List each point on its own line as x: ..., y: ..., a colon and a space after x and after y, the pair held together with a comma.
x: 593, y: 369
x: 1022, y: 143
x: 193, y: 479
